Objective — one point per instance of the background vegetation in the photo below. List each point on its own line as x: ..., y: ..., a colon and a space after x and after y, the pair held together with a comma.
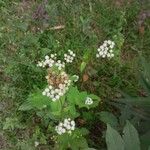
x: 31, y: 29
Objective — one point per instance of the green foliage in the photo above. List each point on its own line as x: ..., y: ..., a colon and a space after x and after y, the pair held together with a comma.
x: 129, y: 141
x: 108, y: 118
x: 86, y: 24
x: 12, y: 123
x: 39, y: 136
x: 23, y: 145
x: 119, y: 40
x: 74, y: 141
x: 78, y: 98
x: 130, y: 137
x: 61, y: 109
x: 82, y: 66
x: 145, y: 140
x: 85, y: 61
x: 35, y: 100
x: 113, y: 139
x: 72, y: 99
x: 136, y: 109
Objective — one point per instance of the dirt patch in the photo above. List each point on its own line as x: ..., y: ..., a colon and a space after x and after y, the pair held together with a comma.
x: 2, y: 142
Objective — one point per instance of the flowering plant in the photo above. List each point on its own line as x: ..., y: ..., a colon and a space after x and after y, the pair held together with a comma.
x: 62, y: 99
x: 106, y: 49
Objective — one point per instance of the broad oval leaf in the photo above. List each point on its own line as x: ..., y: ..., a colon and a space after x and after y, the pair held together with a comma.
x: 131, y: 137
x: 113, y: 139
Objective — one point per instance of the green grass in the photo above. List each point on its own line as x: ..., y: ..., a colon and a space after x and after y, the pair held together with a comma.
x: 87, y: 24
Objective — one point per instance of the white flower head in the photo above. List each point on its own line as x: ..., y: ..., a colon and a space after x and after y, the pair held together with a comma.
x: 106, y: 49
x: 51, y: 61
x: 43, y: 93
x: 88, y: 101
x: 47, y: 57
x: 67, y: 126
x: 36, y: 143
x: 57, y: 89
x: 69, y: 57
x: 76, y: 78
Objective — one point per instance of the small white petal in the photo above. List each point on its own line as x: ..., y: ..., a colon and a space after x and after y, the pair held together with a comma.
x: 68, y: 127
x: 104, y: 45
x: 36, y: 143
x: 48, y: 94
x: 111, y: 51
x: 52, y: 55
x: 40, y: 64
x: 63, y: 130
x: 109, y: 42
x: 103, y: 56
x: 43, y: 93
x: 46, y: 90
x: 50, y: 87
x: 57, y: 96
x: 46, y: 57
x: 72, y: 128
x: 54, y: 99
x: 97, y: 55
x: 112, y: 55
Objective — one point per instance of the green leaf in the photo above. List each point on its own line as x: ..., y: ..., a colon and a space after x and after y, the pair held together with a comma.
x: 82, y: 66
x: 94, y: 97
x: 80, y: 101
x: 36, y: 100
x: 75, y: 97
x: 55, y: 108
x: 113, y: 139
x: 70, y: 111
x: 131, y: 137
x: 72, y: 94
x: 109, y: 118
x: 83, y: 131
x: 25, y: 106
x: 79, y: 143
x: 78, y: 98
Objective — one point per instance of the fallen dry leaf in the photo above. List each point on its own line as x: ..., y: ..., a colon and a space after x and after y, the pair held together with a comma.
x: 81, y: 122
x: 57, y: 27
x: 141, y: 30
x: 85, y: 77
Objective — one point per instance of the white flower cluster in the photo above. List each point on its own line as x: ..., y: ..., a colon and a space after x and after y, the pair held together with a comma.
x: 51, y: 61
x: 88, y: 101
x: 58, y: 81
x: 76, y: 78
x: 60, y: 65
x: 67, y: 126
x: 36, y: 143
x: 69, y: 57
x: 56, y: 92
x: 106, y: 49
